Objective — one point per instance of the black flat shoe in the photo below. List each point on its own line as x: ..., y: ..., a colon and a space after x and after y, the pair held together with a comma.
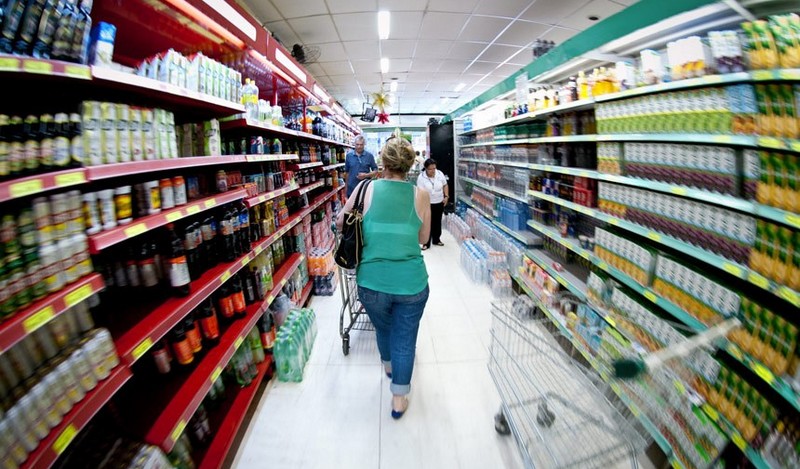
x: 439, y: 243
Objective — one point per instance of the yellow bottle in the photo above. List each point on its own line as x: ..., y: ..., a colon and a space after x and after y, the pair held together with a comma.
x: 583, y: 86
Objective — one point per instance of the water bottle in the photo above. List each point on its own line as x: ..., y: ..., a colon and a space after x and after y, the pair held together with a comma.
x: 253, y: 109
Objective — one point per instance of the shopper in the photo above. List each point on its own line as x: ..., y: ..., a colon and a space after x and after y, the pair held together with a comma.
x: 392, y: 279
x: 359, y: 164
x: 434, y: 183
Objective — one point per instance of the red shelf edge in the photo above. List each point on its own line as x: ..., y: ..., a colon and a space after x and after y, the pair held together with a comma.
x: 105, y: 171
x: 307, y: 165
x: 172, y: 421
x: 41, y: 312
x: 261, y: 198
x: 250, y: 124
x: 138, y: 226
x: 59, y: 438
x: 306, y: 293
x: 311, y: 187
x: 39, y: 183
x: 220, y: 446
x: 144, y: 84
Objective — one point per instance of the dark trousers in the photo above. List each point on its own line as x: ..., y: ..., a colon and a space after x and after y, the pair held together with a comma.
x: 436, y: 223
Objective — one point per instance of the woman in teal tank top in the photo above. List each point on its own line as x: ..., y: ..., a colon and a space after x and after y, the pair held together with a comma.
x: 392, y: 279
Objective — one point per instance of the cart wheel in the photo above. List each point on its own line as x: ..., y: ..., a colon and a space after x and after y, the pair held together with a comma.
x: 501, y: 424
x: 545, y: 417
x: 346, y: 346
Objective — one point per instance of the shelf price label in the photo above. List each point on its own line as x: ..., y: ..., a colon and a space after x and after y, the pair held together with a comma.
x: 789, y: 295
x: 735, y: 352
x: 210, y: 203
x: 737, y: 440
x: 225, y: 276
x: 77, y: 71
x: 64, y: 439
x: 791, y: 218
x: 762, y: 75
x: 771, y: 142
x: 178, y: 430
x: 192, y: 209
x: 142, y: 348
x: 135, y: 230
x: 216, y: 374
x: 789, y: 74
x: 733, y: 269
x: 21, y: 189
x: 70, y: 179
x: 78, y: 295
x: 238, y: 342
x: 173, y: 216
x: 37, y: 66
x: 654, y: 236
x: 650, y: 296
x: 38, y: 319
x: 711, y: 412
x: 9, y: 64
x: 764, y: 373
x: 679, y: 190
x: 758, y: 280
x: 722, y: 139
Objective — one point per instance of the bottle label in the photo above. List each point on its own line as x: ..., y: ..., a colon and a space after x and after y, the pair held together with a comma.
x: 178, y: 272
x: 16, y: 157
x: 268, y: 338
x: 207, y: 232
x: 147, y: 269
x: 239, y: 304
x: 226, y: 306
x: 124, y: 206
x: 210, y: 327
x: 76, y: 150
x: 183, y: 352
x: 155, y: 198
x: 46, y: 152
x: 60, y: 151
x: 161, y: 358
x: 195, y: 341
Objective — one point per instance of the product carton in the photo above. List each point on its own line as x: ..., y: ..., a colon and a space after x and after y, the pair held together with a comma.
x: 135, y: 125
x: 148, y: 134
x: 123, y: 133
x: 101, y: 49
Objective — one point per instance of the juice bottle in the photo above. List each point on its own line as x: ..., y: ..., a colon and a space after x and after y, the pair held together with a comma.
x: 764, y: 188
x: 583, y: 86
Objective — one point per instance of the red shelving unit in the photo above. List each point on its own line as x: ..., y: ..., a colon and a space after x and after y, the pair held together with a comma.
x: 25, y: 186
x: 163, y: 92
x: 21, y: 324
x: 311, y: 187
x: 275, y: 157
x: 232, y: 415
x: 298, y: 167
x: 306, y: 293
x: 249, y: 124
x: 171, y: 422
x: 42, y: 67
x: 96, y: 173
x: 60, y: 437
x: 260, y: 199
x: 104, y: 239
x: 332, y: 166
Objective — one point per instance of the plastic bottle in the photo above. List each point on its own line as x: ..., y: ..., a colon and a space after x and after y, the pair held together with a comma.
x: 28, y: 27
x: 178, y: 272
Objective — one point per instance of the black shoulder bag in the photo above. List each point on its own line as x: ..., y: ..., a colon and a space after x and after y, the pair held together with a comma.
x: 348, y: 253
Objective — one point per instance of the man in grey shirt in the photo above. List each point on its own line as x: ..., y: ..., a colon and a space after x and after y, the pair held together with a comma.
x: 359, y: 164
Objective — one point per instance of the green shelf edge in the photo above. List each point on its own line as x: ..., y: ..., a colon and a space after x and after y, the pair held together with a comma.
x: 496, y: 223
x: 573, y: 106
x: 518, y: 141
x: 641, y: 416
x: 763, y: 211
x: 737, y: 270
x: 772, y: 143
x: 778, y: 384
x: 496, y: 190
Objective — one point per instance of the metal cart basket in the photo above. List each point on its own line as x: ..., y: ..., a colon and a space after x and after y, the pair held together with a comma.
x: 353, y: 317
x: 558, y: 411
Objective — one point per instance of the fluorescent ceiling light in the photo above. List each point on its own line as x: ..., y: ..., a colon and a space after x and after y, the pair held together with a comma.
x: 393, y: 86
x: 384, y: 24
x: 284, y: 60
x: 459, y: 87
x: 321, y: 93
x: 230, y: 14
x: 385, y: 65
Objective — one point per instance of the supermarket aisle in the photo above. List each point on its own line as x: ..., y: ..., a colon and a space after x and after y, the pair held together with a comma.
x: 338, y: 417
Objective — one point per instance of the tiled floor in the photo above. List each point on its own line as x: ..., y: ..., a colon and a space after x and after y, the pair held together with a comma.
x: 338, y: 417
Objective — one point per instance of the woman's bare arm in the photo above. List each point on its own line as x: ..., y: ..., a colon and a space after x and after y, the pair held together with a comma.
x: 422, y: 201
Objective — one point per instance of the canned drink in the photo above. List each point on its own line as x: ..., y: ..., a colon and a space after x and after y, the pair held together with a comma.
x: 47, y: 408
x: 14, y: 450
x: 58, y: 391
x: 75, y: 220
x: 84, y: 261
x: 33, y: 416
x: 82, y: 316
x: 80, y: 365
x: 73, y: 389
x: 94, y: 352
x: 106, y: 345
x: 41, y: 214
x: 19, y: 424
x: 69, y: 268
x: 59, y: 211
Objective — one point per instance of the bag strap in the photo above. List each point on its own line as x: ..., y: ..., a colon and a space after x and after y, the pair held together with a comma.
x: 362, y: 192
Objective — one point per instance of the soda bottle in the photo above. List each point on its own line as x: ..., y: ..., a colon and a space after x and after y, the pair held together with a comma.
x: 192, y: 256
x: 225, y: 303
x: 30, y: 130
x: 249, y: 287
x: 244, y: 228
x: 239, y: 304
x: 147, y: 265
x: 200, y: 428
x: 254, y: 341
x: 209, y: 233
x: 228, y: 251
x: 178, y: 272
x: 76, y: 141
x: 193, y: 334
x: 207, y: 317
x: 233, y: 214
x: 266, y: 327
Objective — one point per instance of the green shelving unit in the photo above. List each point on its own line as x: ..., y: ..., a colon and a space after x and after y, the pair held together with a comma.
x: 496, y: 190
x: 523, y: 238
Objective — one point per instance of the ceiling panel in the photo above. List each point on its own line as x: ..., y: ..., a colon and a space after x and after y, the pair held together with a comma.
x: 483, y: 28
x: 405, y: 24
x: 507, y: 8
x: 401, y: 5
x: 461, y: 6
x: 454, y: 66
x: 600, y: 8
x: 466, y: 50
x: 498, y: 53
x: 331, y: 52
x: 399, y: 66
x: 370, y: 79
x: 552, y: 11
x: 522, y: 33
x: 482, y: 67
x: 342, y: 79
x: 398, y: 48
x: 283, y: 32
x: 425, y: 65
x: 416, y: 87
x: 366, y: 66
x: 295, y: 9
x: 359, y: 50
x: 315, y: 69
x: 416, y: 77
x: 337, y: 68
x: 351, y: 6
x: 314, y: 29
x: 432, y: 49
x: 442, y: 25
x: 506, y: 70
x: 356, y: 26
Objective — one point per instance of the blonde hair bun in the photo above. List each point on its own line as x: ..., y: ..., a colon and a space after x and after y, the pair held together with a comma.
x: 398, y: 155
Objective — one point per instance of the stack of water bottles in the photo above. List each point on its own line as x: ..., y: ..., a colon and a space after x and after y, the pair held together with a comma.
x: 500, y: 241
x: 293, y: 344
x: 474, y: 259
x: 458, y: 228
x: 512, y: 213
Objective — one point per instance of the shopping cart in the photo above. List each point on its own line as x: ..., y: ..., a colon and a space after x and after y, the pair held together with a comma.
x: 353, y: 317
x: 559, y: 413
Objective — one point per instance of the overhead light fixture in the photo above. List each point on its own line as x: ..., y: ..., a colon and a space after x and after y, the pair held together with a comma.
x: 384, y: 24
x: 230, y: 14
x: 459, y: 87
x: 284, y: 60
x: 385, y: 65
x: 321, y: 93
x: 393, y: 86
x: 200, y: 17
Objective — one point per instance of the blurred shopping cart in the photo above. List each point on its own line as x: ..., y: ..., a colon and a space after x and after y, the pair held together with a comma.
x: 559, y: 412
x: 353, y: 317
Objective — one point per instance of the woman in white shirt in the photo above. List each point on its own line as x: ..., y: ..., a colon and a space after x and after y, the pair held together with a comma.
x: 435, y: 183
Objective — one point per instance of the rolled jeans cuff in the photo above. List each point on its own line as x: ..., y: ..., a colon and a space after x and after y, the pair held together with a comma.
x: 400, y: 389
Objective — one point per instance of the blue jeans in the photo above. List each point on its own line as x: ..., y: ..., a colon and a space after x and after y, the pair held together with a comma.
x: 396, y: 320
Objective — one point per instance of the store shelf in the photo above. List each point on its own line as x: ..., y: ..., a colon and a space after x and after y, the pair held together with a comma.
x: 735, y: 437
x: 138, y: 226
x: 332, y: 166
x: 298, y: 167
x: 249, y: 124
x: 518, y: 141
x: 31, y: 185
x: 710, y: 139
x: 171, y: 422
x: 19, y: 325
x: 569, y: 281
x: 740, y: 271
x: 310, y: 187
x: 306, y: 293
x: 498, y: 163
x: 270, y: 158
x: 522, y: 237
x: 260, y: 199
x: 235, y: 410
x: 60, y: 437
x: 161, y: 91
x: 778, y: 384
x: 15, y: 65
x: 496, y: 190
x: 709, y: 80
x: 648, y: 424
x: 568, y: 107
x: 96, y: 173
